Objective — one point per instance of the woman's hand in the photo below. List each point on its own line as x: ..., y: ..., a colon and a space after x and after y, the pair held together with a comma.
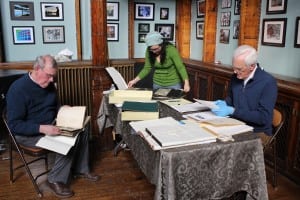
x: 133, y: 82
x: 186, y: 87
x: 49, y: 130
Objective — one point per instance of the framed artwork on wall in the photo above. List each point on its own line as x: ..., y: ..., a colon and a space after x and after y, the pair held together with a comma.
x: 237, y: 7
x: 21, y: 10
x: 53, y: 34
x: 276, y: 6
x: 200, y: 8
x: 199, y: 30
x: 52, y: 11
x: 144, y: 11
x: 224, y: 35
x: 297, y: 33
x: 142, y: 37
x: 273, y: 32
x: 112, y: 11
x: 112, y: 32
x: 164, y: 13
x: 236, y: 29
x: 144, y: 28
x: 23, y: 34
x: 226, y: 4
x: 166, y: 30
x: 225, y: 18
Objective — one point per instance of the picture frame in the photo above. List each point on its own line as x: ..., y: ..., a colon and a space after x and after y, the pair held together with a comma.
x: 144, y: 11
x: 199, y: 30
x: 52, y: 11
x: 112, y: 32
x: 226, y: 4
x: 142, y: 37
x: 237, y: 7
x: 21, y: 10
x: 273, y: 32
x: 53, y: 34
x: 143, y: 28
x: 164, y: 13
x: 224, y: 36
x: 23, y: 34
x: 200, y: 8
x: 225, y: 18
x: 297, y: 33
x: 276, y: 7
x: 236, y: 29
x: 166, y: 30
x: 112, y: 11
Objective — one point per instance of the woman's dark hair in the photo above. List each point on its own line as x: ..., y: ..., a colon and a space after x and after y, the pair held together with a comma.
x: 152, y: 56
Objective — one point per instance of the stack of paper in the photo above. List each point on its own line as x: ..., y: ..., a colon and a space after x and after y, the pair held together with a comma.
x: 168, y: 133
x: 119, y: 96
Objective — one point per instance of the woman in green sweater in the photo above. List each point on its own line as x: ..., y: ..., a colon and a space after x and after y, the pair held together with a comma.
x: 169, y: 70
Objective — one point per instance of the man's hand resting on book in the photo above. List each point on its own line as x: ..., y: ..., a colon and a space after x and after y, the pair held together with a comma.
x: 223, y: 109
x: 49, y: 130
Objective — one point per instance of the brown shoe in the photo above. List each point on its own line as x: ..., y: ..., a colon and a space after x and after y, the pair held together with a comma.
x: 60, y: 190
x: 88, y: 176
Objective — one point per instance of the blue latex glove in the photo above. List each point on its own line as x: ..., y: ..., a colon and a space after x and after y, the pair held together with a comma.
x: 222, y: 110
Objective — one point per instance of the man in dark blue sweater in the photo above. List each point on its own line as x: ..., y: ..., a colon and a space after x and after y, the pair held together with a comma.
x: 252, y: 92
x: 32, y: 106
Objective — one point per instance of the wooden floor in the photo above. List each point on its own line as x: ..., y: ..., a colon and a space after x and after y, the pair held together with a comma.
x: 121, y: 179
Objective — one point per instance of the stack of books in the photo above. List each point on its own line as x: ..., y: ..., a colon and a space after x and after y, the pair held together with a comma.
x: 134, y: 110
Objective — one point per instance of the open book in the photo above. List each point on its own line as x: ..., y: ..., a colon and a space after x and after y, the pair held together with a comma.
x: 117, y: 78
x: 71, y: 119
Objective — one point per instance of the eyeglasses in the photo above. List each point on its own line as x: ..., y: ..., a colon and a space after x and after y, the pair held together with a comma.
x: 154, y: 49
x: 49, y: 75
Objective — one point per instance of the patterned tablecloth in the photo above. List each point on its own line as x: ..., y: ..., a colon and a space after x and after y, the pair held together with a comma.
x: 206, y: 171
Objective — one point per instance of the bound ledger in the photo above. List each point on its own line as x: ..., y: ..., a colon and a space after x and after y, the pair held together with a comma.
x: 133, y: 111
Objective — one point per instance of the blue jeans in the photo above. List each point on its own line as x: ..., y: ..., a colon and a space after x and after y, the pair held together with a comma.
x: 176, y: 86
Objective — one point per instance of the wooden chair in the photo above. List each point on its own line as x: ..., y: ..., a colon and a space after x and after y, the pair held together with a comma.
x: 270, y: 145
x: 28, y: 155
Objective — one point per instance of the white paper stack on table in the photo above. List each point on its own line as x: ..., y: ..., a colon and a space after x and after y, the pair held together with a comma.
x: 169, y: 133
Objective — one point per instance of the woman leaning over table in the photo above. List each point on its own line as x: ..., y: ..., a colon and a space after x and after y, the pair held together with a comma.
x: 169, y: 70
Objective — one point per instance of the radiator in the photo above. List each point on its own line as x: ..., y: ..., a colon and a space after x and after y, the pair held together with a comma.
x: 74, y: 86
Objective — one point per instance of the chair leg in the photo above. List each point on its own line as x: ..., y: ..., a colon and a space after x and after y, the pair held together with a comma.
x: 275, y: 165
x: 11, y: 167
x: 29, y: 172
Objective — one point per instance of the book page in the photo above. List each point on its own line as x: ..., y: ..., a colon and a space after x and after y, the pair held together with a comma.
x: 117, y: 78
x: 71, y: 117
x: 209, y: 104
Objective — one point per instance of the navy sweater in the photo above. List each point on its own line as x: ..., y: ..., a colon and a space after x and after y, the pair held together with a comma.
x: 29, y: 106
x: 255, y: 102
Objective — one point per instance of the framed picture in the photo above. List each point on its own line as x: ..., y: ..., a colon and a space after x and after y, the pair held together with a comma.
x: 237, y: 7
x: 142, y: 37
x: 226, y: 4
x: 273, y: 32
x: 112, y: 31
x: 144, y: 11
x: 21, y: 10
x: 112, y: 11
x: 297, y: 33
x: 52, y: 11
x: 53, y: 34
x: 164, y: 13
x: 225, y: 18
x: 23, y: 34
x: 199, y: 30
x: 276, y: 6
x: 236, y: 29
x: 224, y: 35
x: 200, y: 8
x: 166, y: 30
x: 144, y: 28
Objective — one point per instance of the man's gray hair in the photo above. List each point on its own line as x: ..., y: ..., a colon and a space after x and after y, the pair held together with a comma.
x: 41, y: 61
x: 251, y: 54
